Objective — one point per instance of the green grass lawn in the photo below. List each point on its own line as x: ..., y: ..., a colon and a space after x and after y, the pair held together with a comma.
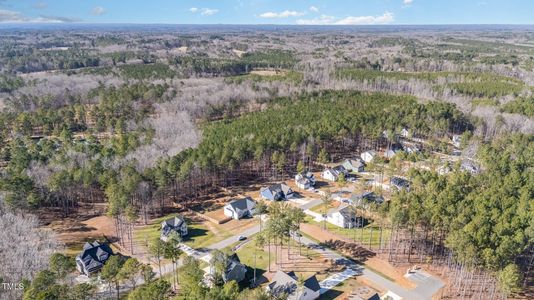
x: 198, y: 234
x: 358, y: 234
x: 246, y: 255
x: 321, y: 208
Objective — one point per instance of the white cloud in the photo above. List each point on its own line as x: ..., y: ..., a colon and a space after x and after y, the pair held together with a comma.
x: 98, y: 11
x: 208, y: 11
x: 9, y: 16
x: 204, y: 11
x: 407, y: 2
x: 314, y: 8
x: 283, y: 14
x: 385, y: 18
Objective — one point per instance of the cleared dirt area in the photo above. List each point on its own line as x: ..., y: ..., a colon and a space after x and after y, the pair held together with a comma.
x: 303, y: 261
x: 374, y: 263
x: 74, y: 233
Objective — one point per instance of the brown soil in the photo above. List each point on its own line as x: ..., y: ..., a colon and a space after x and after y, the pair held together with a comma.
x: 374, y: 263
x: 305, y: 262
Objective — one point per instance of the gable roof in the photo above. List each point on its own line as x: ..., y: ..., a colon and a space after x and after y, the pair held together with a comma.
x: 344, y: 209
x: 354, y: 163
x: 283, y: 282
x: 243, y: 204
x: 175, y: 221
x: 279, y: 188
x: 94, y: 255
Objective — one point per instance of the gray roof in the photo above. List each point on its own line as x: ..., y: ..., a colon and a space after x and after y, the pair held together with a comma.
x: 354, y: 163
x: 280, y: 187
x: 345, y: 210
x: 283, y: 282
x: 175, y: 221
x: 94, y: 255
x: 243, y: 204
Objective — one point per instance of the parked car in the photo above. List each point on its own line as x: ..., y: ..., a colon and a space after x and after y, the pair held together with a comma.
x: 241, y: 238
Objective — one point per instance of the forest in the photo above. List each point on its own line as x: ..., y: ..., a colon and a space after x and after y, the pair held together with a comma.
x: 128, y: 124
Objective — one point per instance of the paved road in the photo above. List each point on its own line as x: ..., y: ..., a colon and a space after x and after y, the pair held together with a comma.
x: 427, y: 285
x: 310, y: 204
x: 231, y: 240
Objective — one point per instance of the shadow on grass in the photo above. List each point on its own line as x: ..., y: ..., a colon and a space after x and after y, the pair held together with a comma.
x: 194, y: 233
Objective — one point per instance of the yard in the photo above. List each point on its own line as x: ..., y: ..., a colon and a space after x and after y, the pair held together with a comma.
x: 201, y: 233
x: 368, y: 234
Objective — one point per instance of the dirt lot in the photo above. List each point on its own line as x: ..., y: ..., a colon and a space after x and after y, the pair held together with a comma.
x: 373, y: 263
x: 74, y: 232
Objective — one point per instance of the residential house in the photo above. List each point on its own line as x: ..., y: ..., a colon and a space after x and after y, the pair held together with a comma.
x: 365, y: 199
x: 235, y: 270
x: 341, y: 196
x: 174, y: 224
x: 305, y: 180
x: 354, y: 165
x: 93, y: 257
x: 277, y: 192
x: 332, y: 174
x: 400, y: 183
x: 344, y: 216
x: 368, y: 156
x: 286, y: 284
x: 240, y: 208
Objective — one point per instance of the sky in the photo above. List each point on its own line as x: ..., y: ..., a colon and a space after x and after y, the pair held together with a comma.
x: 292, y: 12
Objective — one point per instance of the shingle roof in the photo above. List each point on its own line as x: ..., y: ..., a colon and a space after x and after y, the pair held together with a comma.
x: 283, y: 282
x: 94, y: 255
x: 243, y: 203
x: 175, y: 221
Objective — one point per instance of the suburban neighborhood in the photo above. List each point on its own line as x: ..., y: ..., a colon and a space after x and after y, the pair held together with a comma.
x: 266, y: 150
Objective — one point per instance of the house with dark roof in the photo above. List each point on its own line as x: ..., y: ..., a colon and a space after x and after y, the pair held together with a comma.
x: 354, y: 165
x: 93, y: 257
x: 240, y: 208
x: 400, y: 183
x: 276, y: 192
x: 305, y: 180
x: 365, y: 199
x: 235, y: 270
x: 344, y: 216
x: 174, y: 224
x: 286, y: 284
x: 333, y: 174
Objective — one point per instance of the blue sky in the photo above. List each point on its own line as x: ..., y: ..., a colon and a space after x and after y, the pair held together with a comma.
x: 319, y: 12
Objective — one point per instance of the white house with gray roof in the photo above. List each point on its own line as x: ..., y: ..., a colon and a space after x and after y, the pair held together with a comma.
x: 344, y: 216
x: 176, y: 224
x: 240, y: 208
